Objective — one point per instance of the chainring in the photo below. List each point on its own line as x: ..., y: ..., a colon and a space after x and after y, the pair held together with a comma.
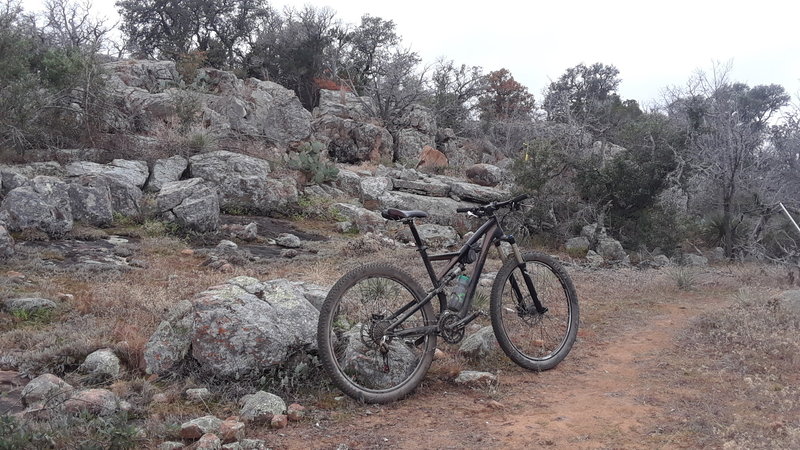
x: 447, y: 329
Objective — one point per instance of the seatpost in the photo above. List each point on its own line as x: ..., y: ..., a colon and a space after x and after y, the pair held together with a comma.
x: 423, y: 251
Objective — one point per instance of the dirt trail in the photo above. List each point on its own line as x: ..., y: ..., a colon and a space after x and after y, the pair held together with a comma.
x: 603, y: 397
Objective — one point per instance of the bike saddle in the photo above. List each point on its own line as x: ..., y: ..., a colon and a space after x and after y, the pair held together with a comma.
x: 397, y: 214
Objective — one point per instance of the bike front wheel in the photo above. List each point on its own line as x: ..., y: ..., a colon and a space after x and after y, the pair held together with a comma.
x: 534, y: 339
x: 364, y: 359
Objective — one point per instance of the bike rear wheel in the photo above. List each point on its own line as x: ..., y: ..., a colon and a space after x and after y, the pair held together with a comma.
x: 534, y: 340
x: 362, y: 361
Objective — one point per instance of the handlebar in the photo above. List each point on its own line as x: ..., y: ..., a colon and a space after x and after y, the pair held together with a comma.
x: 493, y: 206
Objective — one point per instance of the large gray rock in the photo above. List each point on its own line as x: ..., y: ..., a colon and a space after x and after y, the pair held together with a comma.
x: 165, y: 171
x: 90, y: 199
x: 579, y: 244
x: 256, y: 108
x: 428, y: 186
x: 409, y: 144
x: 363, y: 219
x: 170, y: 343
x: 441, y: 210
x: 47, y: 391
x: 314, y: 293
x: 6, y: 243
x: 344, y: 104
x: 485, y: 174
x: 150, y: 76
x: 360, y: 359
x: 476, y: 193
x: 238, y: 329
x: 11, y: 180
x: 436, y: 236
x: 479, y: 344
x: 261, y: 406
x: 42, y: 205
x: 131, y: 172
x: 192, y: 203
x: 351, y: 141
x: 243, y: 182
x: 611, y: 250
x: 349, y: 182
x: 372, y: 189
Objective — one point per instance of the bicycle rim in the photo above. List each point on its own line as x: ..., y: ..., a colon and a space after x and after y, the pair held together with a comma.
x: 365, y: 364
x: 533, y: 340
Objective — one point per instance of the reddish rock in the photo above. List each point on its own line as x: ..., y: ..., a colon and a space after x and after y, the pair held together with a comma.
x: 209, y: 441
x: 279, y: 421
x: 101, y: 402
x: 430, y: 158
x: 295, y: 412
x: 231, y: 430
x: 187, y: 252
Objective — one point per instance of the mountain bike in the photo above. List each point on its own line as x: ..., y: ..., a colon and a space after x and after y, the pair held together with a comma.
x: 377, y: 328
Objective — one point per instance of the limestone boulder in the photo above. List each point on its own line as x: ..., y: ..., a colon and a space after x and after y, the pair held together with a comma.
x: 165, y: 171
x: 90, y: 199
x: 243, y: 182
x: 131, y: 172
x: 193, y: 204
x: 236, y: 330
x: 42, y: 205
x: 352, y: 141
x: 441, y: 210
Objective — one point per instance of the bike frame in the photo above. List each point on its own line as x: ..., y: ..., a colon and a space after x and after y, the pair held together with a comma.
x: 492, y: 233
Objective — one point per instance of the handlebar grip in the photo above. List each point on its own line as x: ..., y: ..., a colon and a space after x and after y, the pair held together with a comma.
x: 463, y: 210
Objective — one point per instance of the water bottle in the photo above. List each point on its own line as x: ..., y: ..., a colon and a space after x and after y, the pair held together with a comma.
x: 459, y: 293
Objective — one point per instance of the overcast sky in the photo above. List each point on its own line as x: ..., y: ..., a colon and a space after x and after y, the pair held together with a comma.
x: 653, y: 44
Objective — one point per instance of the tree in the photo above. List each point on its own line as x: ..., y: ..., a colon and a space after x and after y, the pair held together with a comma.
x: 505, y: 98
x: 396, y: 85
x: 173, y: 28
x: 587, y: 96
x: 727, y: 125
x: 454, y: 93
x: 363, y: 49
x: 291, y: 50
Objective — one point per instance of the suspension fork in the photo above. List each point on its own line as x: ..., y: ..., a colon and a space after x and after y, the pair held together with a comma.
x: 526, y: 276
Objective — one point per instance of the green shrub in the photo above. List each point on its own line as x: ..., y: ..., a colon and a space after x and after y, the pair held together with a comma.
x: 309, y: 162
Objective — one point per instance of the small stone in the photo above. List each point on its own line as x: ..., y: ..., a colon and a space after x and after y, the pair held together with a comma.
x: 290, y: 253
x: 250, y: 232
x: 231, y: 430
x: 138, y: 263
x: 288, y: 240
x: 279, y: 421
x: 475, y: 379
x: 226, y: 245
x: 261, y: 406
x: 439, y: 355
x: 253, y: 444
x: 187, y: 252
x: 29, y: 304
x: 198, y: 395
x: 160, y: 398
x: 170, y: 445
x: 209, y: 441
x: 65, y: 297
x: 295, y: 412
x: 196, y: 428
x: 103, y: 363
x: 226, y: 268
